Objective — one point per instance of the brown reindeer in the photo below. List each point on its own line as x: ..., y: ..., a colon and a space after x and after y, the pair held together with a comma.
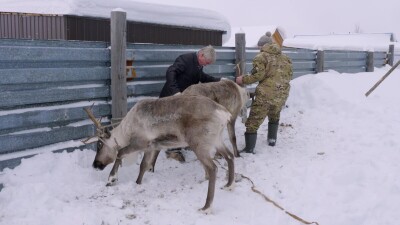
x: 171, y: 122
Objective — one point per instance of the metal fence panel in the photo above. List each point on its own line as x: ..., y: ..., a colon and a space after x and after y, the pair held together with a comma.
x: 20, y: 141
x: 43, y: 87
x: 45, y: 84
x: 15, y: 120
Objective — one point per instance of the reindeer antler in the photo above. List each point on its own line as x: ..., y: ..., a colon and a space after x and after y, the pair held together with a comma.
x: 100, y: 129
x: 87, y: 139
x: 238, y: 67
x: 91, y: 116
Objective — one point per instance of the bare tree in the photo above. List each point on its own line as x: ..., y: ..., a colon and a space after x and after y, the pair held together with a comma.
x: 357, y: 29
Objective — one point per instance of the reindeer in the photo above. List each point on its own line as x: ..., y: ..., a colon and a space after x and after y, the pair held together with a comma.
x: 225, y: 92
x: 171, y: 122
x: 228, y: 94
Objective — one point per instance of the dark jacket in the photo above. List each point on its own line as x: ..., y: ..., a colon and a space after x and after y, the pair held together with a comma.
x: 184, y: 72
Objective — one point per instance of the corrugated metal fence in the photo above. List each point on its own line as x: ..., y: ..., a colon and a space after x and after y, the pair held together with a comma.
x: 351, y: 61
x: 44, y: 86
x: 396, y: 56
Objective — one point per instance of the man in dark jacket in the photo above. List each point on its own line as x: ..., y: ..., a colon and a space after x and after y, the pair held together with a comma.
x: 187, y: 70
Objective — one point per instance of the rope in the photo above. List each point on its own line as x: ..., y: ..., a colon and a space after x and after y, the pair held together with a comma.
x: 238, y: 67
x: 254, y: 189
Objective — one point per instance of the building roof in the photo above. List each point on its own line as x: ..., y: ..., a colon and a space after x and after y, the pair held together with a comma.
x: 356, y: 42
x: 136, y: 11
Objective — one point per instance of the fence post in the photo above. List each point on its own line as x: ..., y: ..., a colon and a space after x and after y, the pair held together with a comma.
x: 370, y: 61
x: 118, y: 65
x: 391, y: 55
x: 240, y: 53
x: 320, y: 61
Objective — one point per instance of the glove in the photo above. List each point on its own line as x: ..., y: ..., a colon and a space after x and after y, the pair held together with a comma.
x: 224, y: 78
x: 239, y: 80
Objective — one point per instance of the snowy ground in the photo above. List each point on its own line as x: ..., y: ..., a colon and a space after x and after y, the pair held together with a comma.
x: 336, y: 162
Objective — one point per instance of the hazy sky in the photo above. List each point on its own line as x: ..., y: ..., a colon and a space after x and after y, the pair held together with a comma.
x: 306, y: 16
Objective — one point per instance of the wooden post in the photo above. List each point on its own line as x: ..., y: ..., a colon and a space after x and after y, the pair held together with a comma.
x: 383, y: 78
x: 118, y: 65
x: 240, y: 61
x: 320, y: 61
x: 391, y: 55
x: 240, y: 53
x: 370, y: 61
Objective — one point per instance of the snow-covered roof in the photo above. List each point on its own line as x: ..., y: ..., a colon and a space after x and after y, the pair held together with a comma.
x: 356, y: 42
x: 136, y: 11
x: 253, y: 34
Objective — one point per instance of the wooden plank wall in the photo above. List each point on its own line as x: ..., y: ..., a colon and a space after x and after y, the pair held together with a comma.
x: 32, y: 26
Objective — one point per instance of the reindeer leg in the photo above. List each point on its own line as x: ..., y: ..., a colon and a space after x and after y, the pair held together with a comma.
x: 113, y: 177
x: 154, y: 158
x: 224, y: 151
x: 206, y: 176
x: 146, y: 164
x: 232, y: 136
x: 211, y: 170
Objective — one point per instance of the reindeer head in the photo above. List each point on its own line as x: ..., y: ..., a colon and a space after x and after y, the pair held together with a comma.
x: 107, y: 146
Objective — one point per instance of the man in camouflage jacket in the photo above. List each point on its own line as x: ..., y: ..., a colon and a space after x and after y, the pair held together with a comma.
x: 273, y: 71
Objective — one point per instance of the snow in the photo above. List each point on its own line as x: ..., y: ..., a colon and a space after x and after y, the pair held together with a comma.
x: 136, y: 11
x: 253, y: 33
x: 353, y: 41
x: 335, y: 162
x: 356, y: 42
x: 47, y: 148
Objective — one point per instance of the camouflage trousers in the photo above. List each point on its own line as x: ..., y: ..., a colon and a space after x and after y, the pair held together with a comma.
x: 260, y: 109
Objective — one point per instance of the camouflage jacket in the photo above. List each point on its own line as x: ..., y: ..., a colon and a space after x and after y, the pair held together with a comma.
x: 273, y: 71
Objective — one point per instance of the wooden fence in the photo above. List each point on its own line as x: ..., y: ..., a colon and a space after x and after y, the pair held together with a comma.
x: 44, y: 86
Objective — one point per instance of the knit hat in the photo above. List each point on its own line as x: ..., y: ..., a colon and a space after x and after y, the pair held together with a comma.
x: 265, y: 39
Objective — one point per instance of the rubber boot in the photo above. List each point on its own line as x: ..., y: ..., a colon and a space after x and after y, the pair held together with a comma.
x: 272, y: 133
x: 250, y: 139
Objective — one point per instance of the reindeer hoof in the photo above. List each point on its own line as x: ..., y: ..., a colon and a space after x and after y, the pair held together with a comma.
x: 206, y: 211
x: 111, y: 181
x: 229, y: 188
